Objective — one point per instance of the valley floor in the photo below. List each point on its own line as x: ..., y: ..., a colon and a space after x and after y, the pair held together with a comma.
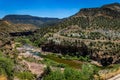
x: 37, y: 68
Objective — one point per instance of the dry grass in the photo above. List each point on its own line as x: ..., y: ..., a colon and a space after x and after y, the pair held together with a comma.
x: 112, y: 74
x: 108, y: 75
x: 2, y: 77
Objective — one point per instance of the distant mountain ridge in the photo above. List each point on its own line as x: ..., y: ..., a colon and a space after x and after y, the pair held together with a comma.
x: 27, y: 19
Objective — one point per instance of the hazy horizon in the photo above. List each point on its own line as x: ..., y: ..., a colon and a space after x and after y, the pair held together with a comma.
x: 47, y: 8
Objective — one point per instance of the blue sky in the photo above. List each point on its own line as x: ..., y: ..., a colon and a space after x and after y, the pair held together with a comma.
x: 48, y: 8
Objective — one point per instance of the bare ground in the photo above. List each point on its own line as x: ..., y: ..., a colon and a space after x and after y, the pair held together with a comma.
x: 35, y: 68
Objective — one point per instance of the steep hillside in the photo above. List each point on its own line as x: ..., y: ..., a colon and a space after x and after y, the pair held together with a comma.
x: 27, y: 19
x: 7, y: 27
x: 110, y: 10
x: 98, y: 28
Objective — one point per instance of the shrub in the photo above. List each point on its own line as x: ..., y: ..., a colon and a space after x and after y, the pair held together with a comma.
x: 86, y: 73
x: 55, y: 75
x: 25, y: 76
x: 86, y: 58
x: 6, y: 66
x: 72, y: 74
x: 47, y: 70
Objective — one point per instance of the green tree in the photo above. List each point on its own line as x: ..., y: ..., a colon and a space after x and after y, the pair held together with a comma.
x: 6, y: 67
x: 55, y: 75
x: 25, y: 76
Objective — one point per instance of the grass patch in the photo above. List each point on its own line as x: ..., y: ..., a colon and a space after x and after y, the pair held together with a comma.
x: 25, y: 75
x: 71, y: 63
x: 86, y: 73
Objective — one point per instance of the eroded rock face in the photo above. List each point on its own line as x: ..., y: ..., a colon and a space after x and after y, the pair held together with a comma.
x: 27, y: 33
x: 66, y: 49
x: 106, y: 61
x: 105, y: 58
